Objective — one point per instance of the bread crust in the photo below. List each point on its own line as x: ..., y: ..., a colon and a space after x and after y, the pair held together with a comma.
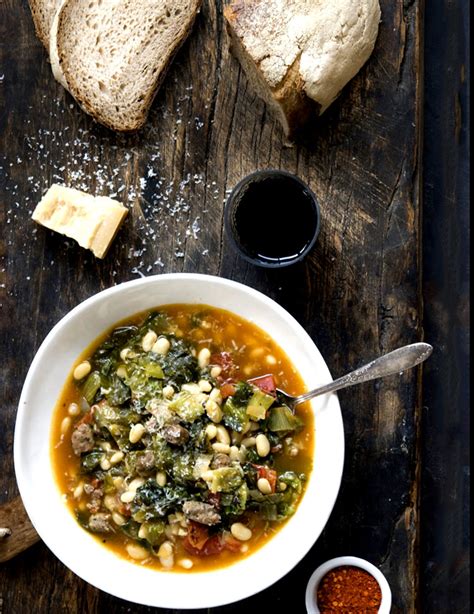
x: 43, y: 15
x: 302, y: 53
x: 98, y: 111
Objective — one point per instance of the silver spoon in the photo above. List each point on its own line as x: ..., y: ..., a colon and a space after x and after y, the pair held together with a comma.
x: 397, y: 361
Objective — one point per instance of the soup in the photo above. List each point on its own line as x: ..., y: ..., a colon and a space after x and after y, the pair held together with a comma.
x: 169, y: 442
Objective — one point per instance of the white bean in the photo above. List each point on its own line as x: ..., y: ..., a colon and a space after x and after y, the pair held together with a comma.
x: 161, y: 478
x: 204, y: 358
x: 136, y: 483
x: 165, y: 550
x: 213, y: 411
x: 234, y: 453
x: 110, y: 502
x: 222, y: 448
x: 216, y: 371
x: 211, y: 431
x: 215, y: 395
x: 271, y: 360
x: 125, y: 353
x: 222, y: 435
x: 128, y: 496
x: 78, y: 491
x: 263, y: 486
x: 205, y: 385
x: 116, y: 458
x: 168, y: 392
x: 263, y: 445
x: 185, y: 563
x: 105, y: 463
x: 162, y: 346
x: 242, y: 453
x: 136, y: 552
x: 149, y: 340
x: 240, y: 532
x: 122, y: 372
x: 73, y: 409
x: 249, y: 442
x: 82, y: 369
x: 136, y: 433
x: 65, y: 425
x: 118, y: 519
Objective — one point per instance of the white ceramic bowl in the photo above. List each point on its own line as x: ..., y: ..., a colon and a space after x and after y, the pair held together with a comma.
x: 80, y: 551
x: 354, y: 561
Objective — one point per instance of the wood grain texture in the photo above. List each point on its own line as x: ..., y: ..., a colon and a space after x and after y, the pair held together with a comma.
x: 445, y: 470
x: 22, y: 535
x: 357, y: 294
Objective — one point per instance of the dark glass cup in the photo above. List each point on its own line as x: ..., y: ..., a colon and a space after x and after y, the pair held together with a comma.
x: 272, y: 218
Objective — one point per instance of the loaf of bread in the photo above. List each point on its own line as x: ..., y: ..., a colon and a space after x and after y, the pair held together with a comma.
x: 299, y: 54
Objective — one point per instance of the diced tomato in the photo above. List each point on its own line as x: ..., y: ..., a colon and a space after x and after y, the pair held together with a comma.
x: 125, y: 509
x: 266, y: 383
x: 86, y: 418
x: 225, y: 361
x: 211, y: 545
x: 214, y: 545
x: 197, y: 535
x: 232, y: 544
x: 227, y: 390
x: 189, y: 548
x: 270, y: 474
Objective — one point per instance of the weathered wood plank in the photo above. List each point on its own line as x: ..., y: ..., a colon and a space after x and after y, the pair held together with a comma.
x: 358, y: 294
x: 445, y: 479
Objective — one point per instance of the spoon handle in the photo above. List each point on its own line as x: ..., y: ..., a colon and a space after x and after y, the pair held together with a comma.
x: 394, y: 362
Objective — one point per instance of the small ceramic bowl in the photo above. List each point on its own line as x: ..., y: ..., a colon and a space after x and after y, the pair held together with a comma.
x: 353, y: 561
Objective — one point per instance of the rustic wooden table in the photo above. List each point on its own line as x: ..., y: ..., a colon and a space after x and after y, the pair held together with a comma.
x: 358, y: 294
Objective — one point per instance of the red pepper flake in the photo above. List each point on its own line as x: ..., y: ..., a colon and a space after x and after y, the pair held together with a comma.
x: 349, y: 590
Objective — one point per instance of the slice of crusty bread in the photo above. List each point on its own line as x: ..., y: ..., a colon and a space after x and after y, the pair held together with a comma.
x: 113, y: 54
x: 299, y: 54
x: 43, y: 12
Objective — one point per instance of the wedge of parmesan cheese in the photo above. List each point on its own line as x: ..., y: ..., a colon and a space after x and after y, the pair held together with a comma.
x: 92, y: 221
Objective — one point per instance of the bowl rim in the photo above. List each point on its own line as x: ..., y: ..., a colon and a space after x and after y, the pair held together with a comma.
x: 353, y: 561
x: 21, y: 462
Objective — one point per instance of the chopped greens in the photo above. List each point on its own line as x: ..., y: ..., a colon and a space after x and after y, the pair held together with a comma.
x: 282, y: 420
x: 152, y: 501
x: 187, y: 406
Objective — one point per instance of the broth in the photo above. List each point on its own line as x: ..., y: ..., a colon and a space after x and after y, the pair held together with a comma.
x: 239, y: 351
